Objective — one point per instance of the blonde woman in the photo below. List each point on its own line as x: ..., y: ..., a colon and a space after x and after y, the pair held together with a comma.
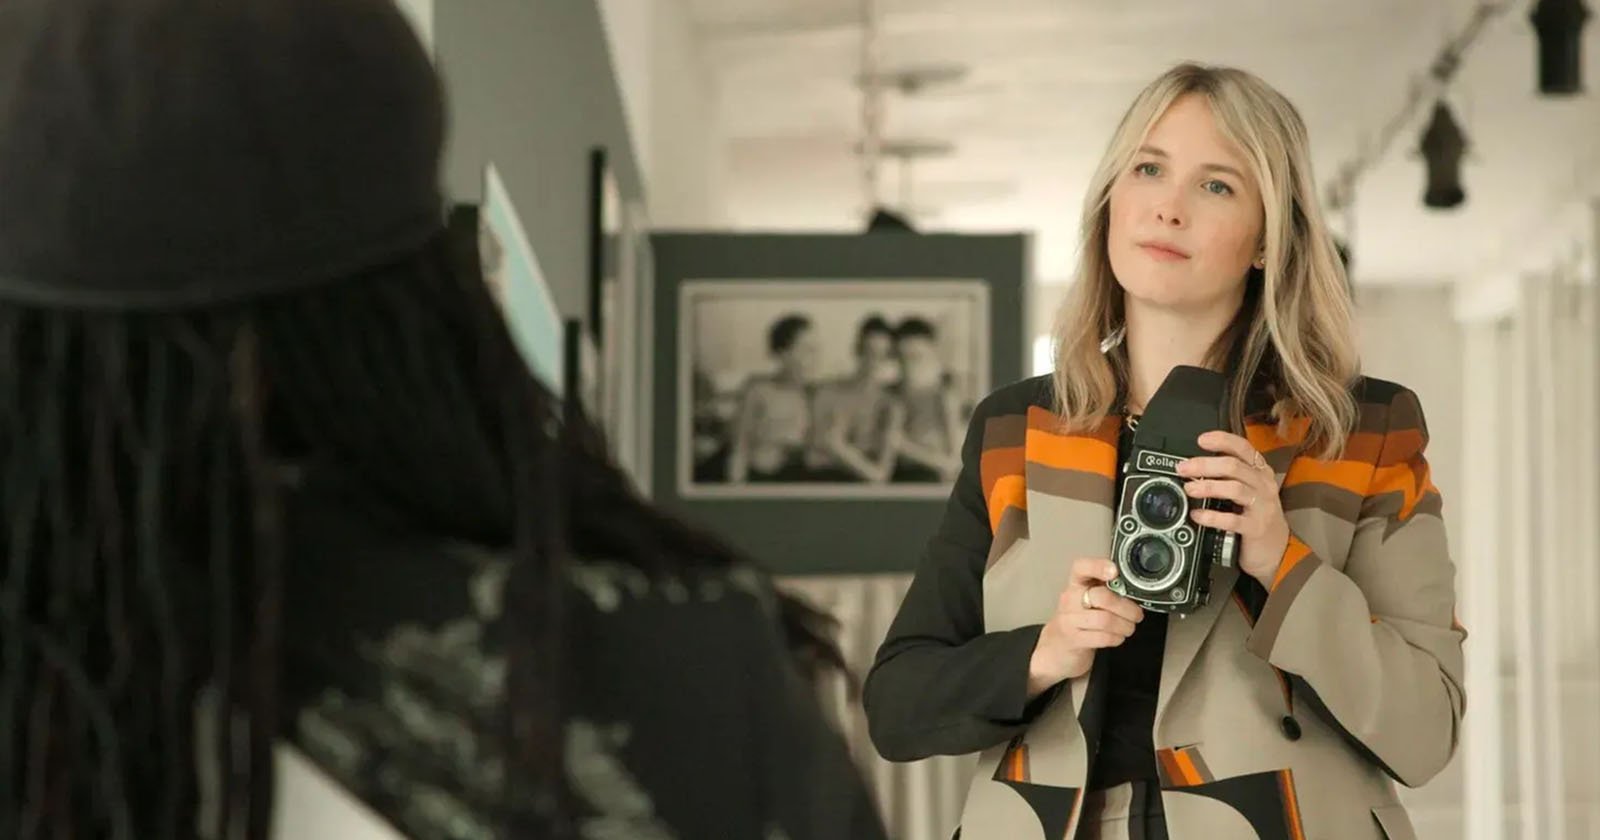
x: 1324, y: 669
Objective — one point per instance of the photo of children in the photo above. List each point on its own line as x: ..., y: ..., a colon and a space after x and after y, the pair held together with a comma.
x: 828, y: 388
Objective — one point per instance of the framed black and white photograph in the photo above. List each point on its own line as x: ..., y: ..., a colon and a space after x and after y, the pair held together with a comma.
x: 827, y: 388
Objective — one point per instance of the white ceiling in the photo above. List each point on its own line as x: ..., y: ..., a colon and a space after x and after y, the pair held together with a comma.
x: 1048, y: 79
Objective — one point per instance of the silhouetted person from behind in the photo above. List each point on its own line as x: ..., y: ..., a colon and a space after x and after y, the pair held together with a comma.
x: 271, y: 466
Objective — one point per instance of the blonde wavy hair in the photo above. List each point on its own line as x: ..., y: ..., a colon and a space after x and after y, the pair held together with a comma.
x: 1293, y: 335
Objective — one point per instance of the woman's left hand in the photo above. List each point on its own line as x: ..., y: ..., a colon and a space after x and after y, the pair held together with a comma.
x: 1241, y: 475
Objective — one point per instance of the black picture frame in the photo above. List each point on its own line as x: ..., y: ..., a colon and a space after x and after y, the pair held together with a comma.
x: 604, y: 226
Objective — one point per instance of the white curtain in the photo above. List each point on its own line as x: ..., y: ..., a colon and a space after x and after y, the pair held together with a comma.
x: 919, y: 800
x: 1530, y: 564
x: 1484, y: 504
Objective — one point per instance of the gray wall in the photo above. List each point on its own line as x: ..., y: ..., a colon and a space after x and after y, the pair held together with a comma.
x: 531, y: 89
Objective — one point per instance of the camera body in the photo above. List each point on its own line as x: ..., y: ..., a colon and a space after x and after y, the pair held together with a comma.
x: 1164, y: 559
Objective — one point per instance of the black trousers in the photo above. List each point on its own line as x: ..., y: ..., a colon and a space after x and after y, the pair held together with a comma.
x: 1129, y: 811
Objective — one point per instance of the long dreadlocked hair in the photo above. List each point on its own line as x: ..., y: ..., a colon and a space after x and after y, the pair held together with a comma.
x: 139, y: 531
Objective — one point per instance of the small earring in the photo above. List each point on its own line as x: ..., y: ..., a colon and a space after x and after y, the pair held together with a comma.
x: 1110, y: 342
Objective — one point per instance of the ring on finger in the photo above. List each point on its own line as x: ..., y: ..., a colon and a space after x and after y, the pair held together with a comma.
x: 1087, y: 604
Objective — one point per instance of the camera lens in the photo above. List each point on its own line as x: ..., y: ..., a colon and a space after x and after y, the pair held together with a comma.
x: 1150, y: 557
x: 1160, y: 505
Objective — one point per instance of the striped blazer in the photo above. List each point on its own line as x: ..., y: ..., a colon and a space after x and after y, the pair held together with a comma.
x: 1281, y: 714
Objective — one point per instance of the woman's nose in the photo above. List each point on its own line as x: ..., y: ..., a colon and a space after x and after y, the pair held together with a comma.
x: 1169, y: 207
x: 1169, y: 212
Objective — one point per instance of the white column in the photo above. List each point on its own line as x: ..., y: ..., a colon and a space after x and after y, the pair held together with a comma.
x: 1483, y: 504
x: 1588, y: 353
x: 1538, y: 585
x: 1520, y: 486
x: 1553, y: 547
x: 1589, y: 328
x: 1580, y: 627
x: 1579, y: 621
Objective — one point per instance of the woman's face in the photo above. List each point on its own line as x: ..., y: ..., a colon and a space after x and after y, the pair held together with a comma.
x: 1185, y: 216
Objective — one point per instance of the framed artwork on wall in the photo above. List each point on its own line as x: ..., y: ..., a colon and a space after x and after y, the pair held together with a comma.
x: 839, y: 364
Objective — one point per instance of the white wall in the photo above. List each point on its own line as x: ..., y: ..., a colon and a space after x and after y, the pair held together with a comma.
x: 627, y: 25
x: 311, y: 807
x: 421, y: 14
x: 686, y: 144
x: 672, y: 107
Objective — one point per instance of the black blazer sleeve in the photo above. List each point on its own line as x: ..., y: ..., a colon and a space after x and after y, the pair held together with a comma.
x: 940, y: 685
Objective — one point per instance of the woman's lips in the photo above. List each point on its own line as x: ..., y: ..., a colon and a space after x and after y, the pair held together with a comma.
x: 1164, y: 253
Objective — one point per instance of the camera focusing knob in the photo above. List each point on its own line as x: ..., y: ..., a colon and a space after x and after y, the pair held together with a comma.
x: 1230, y: 542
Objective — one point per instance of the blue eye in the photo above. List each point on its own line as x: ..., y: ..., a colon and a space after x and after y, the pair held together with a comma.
x: 1218, y: 188
x: 1150, y: 169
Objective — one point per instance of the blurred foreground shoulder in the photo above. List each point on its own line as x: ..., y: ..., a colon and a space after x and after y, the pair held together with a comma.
x: 689, y: 715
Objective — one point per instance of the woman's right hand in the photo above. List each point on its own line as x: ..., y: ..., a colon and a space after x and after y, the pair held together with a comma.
x: 1069, y: 639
